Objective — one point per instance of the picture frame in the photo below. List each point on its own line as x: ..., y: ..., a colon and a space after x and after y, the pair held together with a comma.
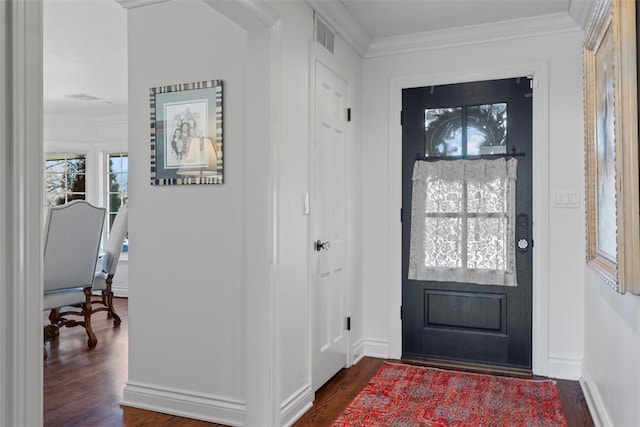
x: 186, y: 133
x: 611, y: 145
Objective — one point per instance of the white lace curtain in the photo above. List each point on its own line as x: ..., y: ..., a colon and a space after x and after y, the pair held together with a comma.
x: 462, y: 221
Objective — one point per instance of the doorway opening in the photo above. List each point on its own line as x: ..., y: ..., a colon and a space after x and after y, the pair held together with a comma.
x: 452, y: 316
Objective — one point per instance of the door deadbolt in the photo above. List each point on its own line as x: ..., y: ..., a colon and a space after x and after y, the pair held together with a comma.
x: 522, y: 222
x: 319, y: 245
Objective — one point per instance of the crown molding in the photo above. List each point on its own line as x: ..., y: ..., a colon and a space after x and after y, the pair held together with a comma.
x: 473, y: 34
x: 249, y: 14
x: 581, y: 10
x: 342, y: 22
x: 252, y: 15
x: 130, y: 4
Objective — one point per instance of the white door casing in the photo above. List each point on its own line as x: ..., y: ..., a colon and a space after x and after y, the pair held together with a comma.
x: 330, y: 224
x: 21, y: 244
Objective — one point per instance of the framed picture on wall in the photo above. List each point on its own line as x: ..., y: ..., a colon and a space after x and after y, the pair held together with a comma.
x: 186, y: 134
x: 611, y: 145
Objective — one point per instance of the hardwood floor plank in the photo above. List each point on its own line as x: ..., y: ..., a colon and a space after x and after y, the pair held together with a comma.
x: 83, y: 387
x: 334, y: 396
x: 574, y: 404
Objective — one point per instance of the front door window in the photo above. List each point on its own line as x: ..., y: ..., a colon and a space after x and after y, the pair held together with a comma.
x: 470, y: 130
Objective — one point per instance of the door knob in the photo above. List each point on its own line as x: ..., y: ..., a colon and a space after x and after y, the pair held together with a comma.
x: 319, y: 245
x: 522, y: 222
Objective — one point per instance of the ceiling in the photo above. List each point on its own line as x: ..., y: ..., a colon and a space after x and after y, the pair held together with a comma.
x: 85, y: 41
x: 85, y: 57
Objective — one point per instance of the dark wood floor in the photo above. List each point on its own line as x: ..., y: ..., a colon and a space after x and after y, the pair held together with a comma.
x: 83, y: 387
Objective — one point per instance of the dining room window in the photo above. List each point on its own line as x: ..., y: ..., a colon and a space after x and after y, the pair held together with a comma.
x: 65, y: 178
x: 117, y: 190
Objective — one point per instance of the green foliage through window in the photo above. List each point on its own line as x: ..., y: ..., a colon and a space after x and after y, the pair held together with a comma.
x: 117, y: 187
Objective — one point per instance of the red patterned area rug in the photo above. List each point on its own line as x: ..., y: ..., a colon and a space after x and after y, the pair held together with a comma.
x: 404, y: 395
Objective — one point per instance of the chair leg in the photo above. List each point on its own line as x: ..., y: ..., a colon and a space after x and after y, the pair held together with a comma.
x: 52, y: 331
x: 54, y: 316
x: 92, y: 341
x: 105, y: 302
x: 112, y: 311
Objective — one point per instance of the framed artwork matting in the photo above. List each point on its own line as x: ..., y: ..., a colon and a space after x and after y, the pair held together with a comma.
x: 186, y: 133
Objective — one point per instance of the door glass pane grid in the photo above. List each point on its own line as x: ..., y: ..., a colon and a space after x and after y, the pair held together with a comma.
x: 486, y: 197
x: 444, y: 249
x: 486, y: 129
x: 471, y: 224
x: 469, y: 130
x: 444, y: 196
x: 486, y: 248
x: 443, y: 131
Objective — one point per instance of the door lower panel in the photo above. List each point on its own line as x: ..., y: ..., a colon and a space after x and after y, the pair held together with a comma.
x: 474, y: 311
x: 461, y: 325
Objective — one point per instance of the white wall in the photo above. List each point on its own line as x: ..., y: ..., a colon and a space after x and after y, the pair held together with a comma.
x: 294, y: 241
x: 192, y: 274
x: 292, y: 181
x: 612, y: 350
x: 95, y: 137
x: 186, y: 317
x: 562, y: 54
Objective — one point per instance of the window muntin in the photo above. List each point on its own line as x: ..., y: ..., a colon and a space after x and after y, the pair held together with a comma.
x: 462, y: 221
x: 117, y: 188
x: 469, y: 130
x: 65, y: 178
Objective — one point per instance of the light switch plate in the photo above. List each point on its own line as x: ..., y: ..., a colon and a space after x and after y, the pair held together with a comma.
x: 566, y: 199
x: 305, y: 203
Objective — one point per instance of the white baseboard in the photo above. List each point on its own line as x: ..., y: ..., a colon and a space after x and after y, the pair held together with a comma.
x: 376, y: 348
x: 594, y: 400
x: 204, y: 407
x: 296, y: 405
x: 565, y: 369
x: 357, y: 351
x: 120, y: 292
x: 117, y: 292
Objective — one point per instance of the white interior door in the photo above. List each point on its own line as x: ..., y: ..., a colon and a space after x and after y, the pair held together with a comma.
x: 330, y: 339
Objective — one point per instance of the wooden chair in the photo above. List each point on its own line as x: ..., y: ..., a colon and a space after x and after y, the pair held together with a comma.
x: 108, y: 264
x: 72, y: 240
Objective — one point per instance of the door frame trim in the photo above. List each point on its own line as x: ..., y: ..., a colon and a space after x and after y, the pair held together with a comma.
x: 318, y: 55
x: 540, y: 194
x: 21, y: 366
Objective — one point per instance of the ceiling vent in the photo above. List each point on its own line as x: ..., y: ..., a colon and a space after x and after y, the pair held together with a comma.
x: 324, y: 35
x: 85, y: 97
